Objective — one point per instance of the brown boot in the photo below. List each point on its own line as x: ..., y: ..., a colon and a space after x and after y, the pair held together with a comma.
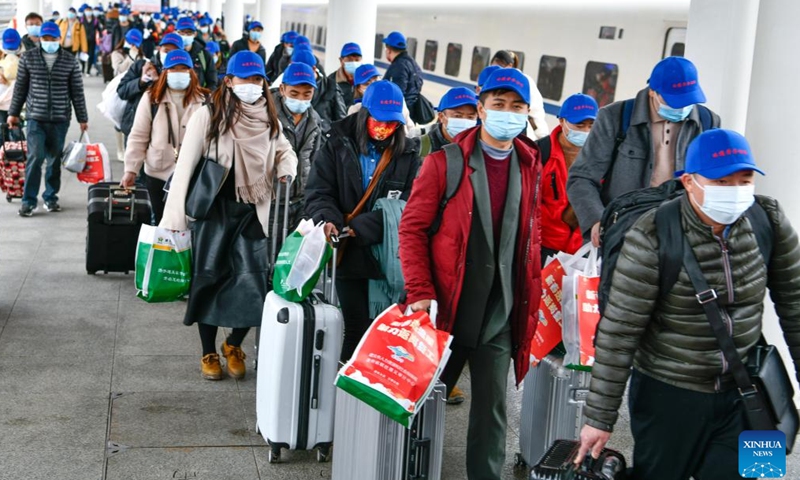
x: 456, y: 397
x: 210, y: 368
x: 235, y: 360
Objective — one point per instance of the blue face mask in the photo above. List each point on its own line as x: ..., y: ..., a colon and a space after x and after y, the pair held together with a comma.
x: 297, y: 106
x: 458, y: 125
x: 577, y: 137
x: 71, y: 15
x: 350, y: 67
x: 34, y: 30
x: 49, y: 47
x: 255, y: 36
x: 123, y: 18
x: 504, y: 126
x: 674, y: 115
x: 188, y: 40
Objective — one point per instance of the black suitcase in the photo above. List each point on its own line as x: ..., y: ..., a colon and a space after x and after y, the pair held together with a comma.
x: 115, y: 217
x: 557, y: 464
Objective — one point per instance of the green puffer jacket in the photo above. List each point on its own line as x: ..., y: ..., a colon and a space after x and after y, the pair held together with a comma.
x: 667, y: 336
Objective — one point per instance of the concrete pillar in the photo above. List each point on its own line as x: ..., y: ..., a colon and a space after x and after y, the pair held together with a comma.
x: 772, y: 101
x: 234, y: 19
x: 215, y: 9
x: 202, y: 6
x: 24, y: 7
x: 269, y: 13
x: 350, y: 21
x: 724, y: 66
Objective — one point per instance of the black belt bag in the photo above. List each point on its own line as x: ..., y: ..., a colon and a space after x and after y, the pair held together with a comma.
x: 764, y: 384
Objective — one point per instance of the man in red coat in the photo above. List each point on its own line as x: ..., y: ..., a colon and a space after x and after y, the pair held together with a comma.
x: 482, y: 265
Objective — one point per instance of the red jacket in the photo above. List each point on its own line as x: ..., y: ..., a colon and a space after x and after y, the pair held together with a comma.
x: 556, y: 234
x: 433, y: 267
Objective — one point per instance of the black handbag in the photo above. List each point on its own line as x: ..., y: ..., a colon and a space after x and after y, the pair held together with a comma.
x: 764, y: 384
x: 423, y: 112
x: 205, y: 184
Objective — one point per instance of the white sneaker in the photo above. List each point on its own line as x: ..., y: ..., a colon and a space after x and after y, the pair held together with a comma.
x: 121, y: 155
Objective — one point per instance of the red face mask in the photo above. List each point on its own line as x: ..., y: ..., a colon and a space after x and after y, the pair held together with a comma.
x: 380, y: 130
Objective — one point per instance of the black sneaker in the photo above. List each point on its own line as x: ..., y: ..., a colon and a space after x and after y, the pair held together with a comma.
x: 25, y: 211
x: 52, y: 207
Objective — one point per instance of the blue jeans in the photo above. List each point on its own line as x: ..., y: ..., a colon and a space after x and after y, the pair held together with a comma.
x: 45, y: 143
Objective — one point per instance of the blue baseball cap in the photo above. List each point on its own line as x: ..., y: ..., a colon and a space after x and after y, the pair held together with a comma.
x: 365, y: 73
x: 457, y: 97
x: 485, y: 74
x: 185, y: 23
x: 254, y: 25
x: 172, y: 39
x: 508, y: 79
x: 304, y: 56
x: 350, y: 49
x: 299, y: 74
x: 289, y: 37
x: 395, y: 40
x: 384, y: 100
x: 212, y: 47
x: 718, y: 153
x: 577, y: 108
x: 50, y: 29
x: 246, y: 64
x: 675, y: 79
x: 11, y: 39
x: 205, y: 21
x: 178, y: 57
x: 99, y: 7
x: 134, y: 37
x: 301, y: 40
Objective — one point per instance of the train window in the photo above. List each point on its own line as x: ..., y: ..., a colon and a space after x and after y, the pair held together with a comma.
x: 319, y: 35
x: 520, y: 59
x: 411, y: 47
x: 551, y: 76
x: 480, y: 60
x: 429, y: 59
x: 674, y: 42
x: 452, y: 63
x: 608, y: 33
x: 379, y: 45
x: 600, y: 81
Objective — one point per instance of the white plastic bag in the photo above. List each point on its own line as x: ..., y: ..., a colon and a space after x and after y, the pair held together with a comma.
x: 112, y: 107
x: 309, y: 258
x: 575, y: 267
x: 74, y: 155
x: 83, y: 56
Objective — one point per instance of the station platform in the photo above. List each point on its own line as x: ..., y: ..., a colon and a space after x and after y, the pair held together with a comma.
x: 97, y: 384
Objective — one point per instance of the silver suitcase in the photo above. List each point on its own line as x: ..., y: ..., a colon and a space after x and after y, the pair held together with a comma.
x: 552, y: 407
x: 370, y: 446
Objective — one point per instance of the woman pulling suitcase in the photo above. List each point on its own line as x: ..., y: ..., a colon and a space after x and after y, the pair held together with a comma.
x: 239, y: 130
x: 160, y: 124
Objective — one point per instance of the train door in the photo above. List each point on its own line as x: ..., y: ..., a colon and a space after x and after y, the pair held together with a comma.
x: 674, y: 42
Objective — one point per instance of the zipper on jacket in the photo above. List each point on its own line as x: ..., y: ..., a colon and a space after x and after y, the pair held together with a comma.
x: 726, y: 319
x: 554, y: 185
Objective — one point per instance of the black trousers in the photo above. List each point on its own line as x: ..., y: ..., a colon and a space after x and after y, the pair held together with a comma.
x: 155, y: 188
x: 354, y: 299
x: 680, y: 433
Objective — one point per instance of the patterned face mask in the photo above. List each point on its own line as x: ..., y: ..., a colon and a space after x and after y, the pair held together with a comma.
x: 380, y: 130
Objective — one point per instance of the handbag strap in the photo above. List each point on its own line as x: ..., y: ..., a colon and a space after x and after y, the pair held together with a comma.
x: 170, y: 135
x: 707, y: 297
x: 386, y: 157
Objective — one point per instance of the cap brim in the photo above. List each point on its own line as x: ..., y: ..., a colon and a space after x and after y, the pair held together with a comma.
x: 684, y: 100
x: 724, y: 171
x: 383, y: 116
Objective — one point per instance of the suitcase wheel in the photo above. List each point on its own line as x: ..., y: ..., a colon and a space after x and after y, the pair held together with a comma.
x: 274, y: 455
x: 323, y: 454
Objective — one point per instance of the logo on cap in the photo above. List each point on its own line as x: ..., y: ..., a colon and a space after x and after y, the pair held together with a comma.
x: 391, y: 102
x: 729, y: 152
x: 511, y: 80
x: 684, y: 84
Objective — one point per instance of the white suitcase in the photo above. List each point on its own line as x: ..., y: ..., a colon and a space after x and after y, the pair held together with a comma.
x: 299, y: 359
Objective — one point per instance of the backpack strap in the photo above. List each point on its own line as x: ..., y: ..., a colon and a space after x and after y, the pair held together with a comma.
x: 669, y: 232
x: 545, y: 145
x: 624, y: 125
x: 762, y: 227
x: 455, y: 170
x: 424, y: 146
x: 706, y: 120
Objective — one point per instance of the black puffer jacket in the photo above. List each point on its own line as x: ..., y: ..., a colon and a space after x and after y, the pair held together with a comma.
x: 131, y: 90
x: 328, y: 101
x: 335, y: 187
x: 204, y: 65
x: 49, y: 94
x: 242, y: 45
x: 668, y: 336
x: 306, y: 147
x: 274, y: 65
x: 406, y: 74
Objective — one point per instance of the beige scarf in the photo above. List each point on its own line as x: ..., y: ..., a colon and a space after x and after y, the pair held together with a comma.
x: 251, y: 133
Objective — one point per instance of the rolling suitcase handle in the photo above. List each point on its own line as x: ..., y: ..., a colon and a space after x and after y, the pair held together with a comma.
x: 287, y: 194
x: 329, y: 284
x: 130, y: 192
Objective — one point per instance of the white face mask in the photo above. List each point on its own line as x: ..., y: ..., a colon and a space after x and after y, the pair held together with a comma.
x: 725, y: 204
x: 178, y: 80
x: 248, y: 92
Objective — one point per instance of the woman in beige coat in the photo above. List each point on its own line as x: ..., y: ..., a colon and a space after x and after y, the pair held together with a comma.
x: 241, y: 131
x: 127, y: 52
x: 160, y: 124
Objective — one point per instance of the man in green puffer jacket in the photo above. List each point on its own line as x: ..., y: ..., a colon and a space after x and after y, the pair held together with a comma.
x: 686, y: 412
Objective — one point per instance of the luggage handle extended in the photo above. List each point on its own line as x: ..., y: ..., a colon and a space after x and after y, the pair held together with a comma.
x: 131, y: 200
x: 288, y: 194
x: 329, y: 284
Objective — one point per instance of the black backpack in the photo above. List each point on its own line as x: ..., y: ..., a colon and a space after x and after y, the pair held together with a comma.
x: 453, y: 174
x: 623, y: 212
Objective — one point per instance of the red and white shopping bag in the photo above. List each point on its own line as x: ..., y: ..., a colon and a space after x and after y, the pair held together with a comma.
x: 98, y: 164
x: 581, y: 310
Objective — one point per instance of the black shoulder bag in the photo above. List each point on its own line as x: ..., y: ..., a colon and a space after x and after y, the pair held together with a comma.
x: 206, y: 183
x: 764, y: 384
